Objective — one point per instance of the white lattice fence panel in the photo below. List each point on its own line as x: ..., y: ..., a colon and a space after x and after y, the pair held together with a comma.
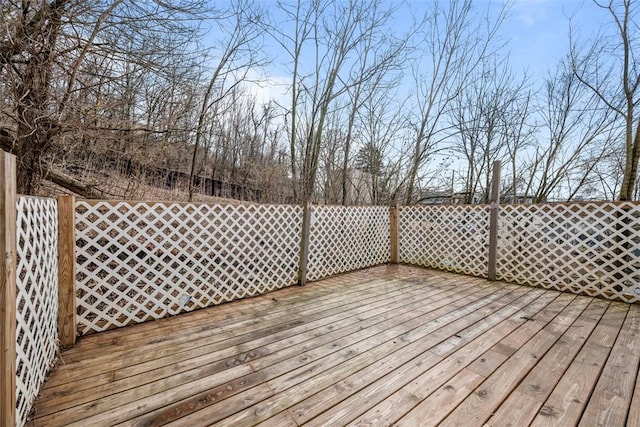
x: 36, y: 297
x: 452, y: 238
x: 347, y: 238
x: 140, y: 261
x: 586, y: 248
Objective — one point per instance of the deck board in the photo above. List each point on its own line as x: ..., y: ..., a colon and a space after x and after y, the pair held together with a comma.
x: 386, y: 345
x: 522, y: 404
x: 206, y: 352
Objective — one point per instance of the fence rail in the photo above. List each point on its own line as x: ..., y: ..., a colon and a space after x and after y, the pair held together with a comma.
x: 453, y: 238
x: 587, y: 248
x: 347, y: 238
x: 140, y: 261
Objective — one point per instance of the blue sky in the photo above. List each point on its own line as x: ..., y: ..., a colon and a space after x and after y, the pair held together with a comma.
x: 535, y: 33
x: 538, y: 31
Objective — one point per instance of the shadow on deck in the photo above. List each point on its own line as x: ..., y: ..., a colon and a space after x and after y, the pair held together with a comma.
x: 385, y: 345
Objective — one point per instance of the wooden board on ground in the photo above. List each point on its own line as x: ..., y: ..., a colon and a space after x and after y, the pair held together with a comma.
x: 387, y: 344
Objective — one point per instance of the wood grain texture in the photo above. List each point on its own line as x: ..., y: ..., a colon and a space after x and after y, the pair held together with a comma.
x: 572, y: 393
x: 492, y: 258
x: 380, y: 379
x: 390, y: 344
x: 303, y: 259
x: 260, y: 352
x: 66, y: 271
x: 481, y: 404
x: 393, y: 232
x: 524, y: 402
x: 7, y: 290
x: 611, y: 399
x: 386, y: 395
x: 633, y: 418
x: 426, y: 383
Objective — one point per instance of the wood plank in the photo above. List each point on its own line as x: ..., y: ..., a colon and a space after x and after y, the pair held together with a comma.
x: 175, y: 386
x: 264, y: 304
x: 144, y: 423
x: 66, y: 271
x: 364, y: 389
x: 427, y: 337
x: 567, y: 401
x: 480, y: 405
x: 7, y: 290
x: 610, y: 402
x: 430, y: 308
x: 488, y: 362
x: 523, y: 404
x: 110, y: 409
x: 331, y: 327
x: 229, y: 315
x: 139, y: 374
x: 345, y: 360
x: 494, y: 214
x: 633, y: 419
x: 235, y: 313
x: 303, y: 258
x: 165, y: 335
x: 283, y: 419
x: 397, y: 340
x: 393, y: 408
x: 151, y: 355
x: 393, y: 233
x: 443, y: 400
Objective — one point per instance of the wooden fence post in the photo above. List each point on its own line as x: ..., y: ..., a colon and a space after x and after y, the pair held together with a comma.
x: 393, y: 218
x: 493, y: 221
x: 304, y: 244
x: 8, y: 290
x: 66, y: 271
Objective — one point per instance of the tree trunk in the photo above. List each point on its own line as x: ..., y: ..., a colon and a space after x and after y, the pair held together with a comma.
x: 35, y: 128
x: 631, y: 167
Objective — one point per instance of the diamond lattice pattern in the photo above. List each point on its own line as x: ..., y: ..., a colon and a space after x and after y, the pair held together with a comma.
x: 452, y: 238
x: 347, y: 238
x: 140, y: 261
x: 36, y: 297
x: 586, y: 248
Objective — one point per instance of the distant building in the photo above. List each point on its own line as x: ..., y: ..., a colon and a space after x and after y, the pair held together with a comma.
x: 519, y: 199
x: 445, y: 197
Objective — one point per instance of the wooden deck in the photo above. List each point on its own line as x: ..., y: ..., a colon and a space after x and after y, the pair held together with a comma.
x: 390, y: 344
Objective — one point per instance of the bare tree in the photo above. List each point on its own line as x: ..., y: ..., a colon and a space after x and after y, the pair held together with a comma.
x: 578, y: 133
x: 382, y: 75
x: 328, y: 36
x: 482, y: 118
x: 46, y: 49
x: 519, y: 130
x: 456, y: 43
x: 609, y: 68
x: 239, y: 53
x: 382, y: 126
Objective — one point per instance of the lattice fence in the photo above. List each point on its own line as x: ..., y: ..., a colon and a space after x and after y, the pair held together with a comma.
x: 347, y: 238
x: 587, y: 248
x: 452, y: 238
x: 36, y: 297
x: 140, y: 261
